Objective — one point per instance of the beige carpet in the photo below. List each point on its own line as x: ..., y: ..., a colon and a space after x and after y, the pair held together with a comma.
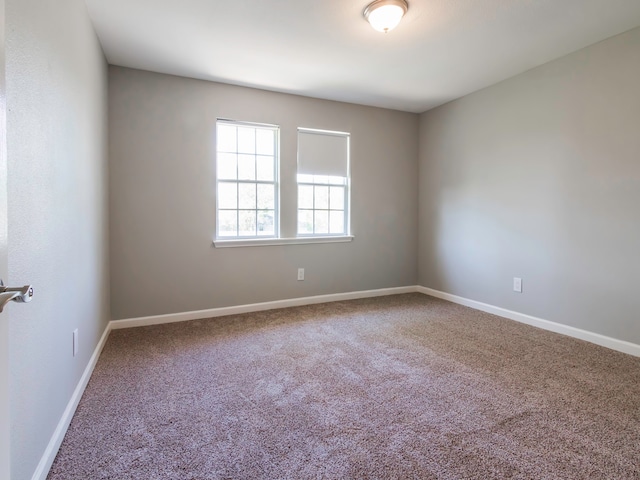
x: 395, y: 387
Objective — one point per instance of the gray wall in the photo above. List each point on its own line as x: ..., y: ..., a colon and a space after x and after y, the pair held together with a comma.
x: 162, y: 198
x: 539, y: 177
x: 57, y: 210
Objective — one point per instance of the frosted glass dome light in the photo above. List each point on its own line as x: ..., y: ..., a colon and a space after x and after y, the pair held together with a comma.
x: 385, y: 15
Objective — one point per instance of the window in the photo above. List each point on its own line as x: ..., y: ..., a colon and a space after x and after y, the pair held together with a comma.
x: 323, y: 183
x: 248, y: 186
x: 246, y: 180
x: 322, y: 205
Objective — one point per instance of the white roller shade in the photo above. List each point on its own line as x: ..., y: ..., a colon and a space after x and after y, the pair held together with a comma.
x: 323, y: 153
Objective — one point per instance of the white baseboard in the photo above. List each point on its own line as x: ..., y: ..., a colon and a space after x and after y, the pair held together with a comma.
x: 256, y: 307
x: 602, y: 340
x: 598, y: 339
x: 51, y: 451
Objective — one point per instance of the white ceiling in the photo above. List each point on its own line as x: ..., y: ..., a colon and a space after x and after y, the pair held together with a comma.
x: 442, y: 50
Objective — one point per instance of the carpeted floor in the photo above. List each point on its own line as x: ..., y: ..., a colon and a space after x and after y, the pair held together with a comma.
x: 395, y: 387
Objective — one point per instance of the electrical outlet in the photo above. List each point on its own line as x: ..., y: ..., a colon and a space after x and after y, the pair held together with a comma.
x: 75, y: 342
x: 300, y: 274
x: 517, y: 284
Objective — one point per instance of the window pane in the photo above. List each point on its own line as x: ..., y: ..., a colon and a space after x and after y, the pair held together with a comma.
x: 266, y: 197
x: 246, y: 140
x: 321, y: 221
x: 227, y: 195
x: 321, y: 197
x: 227, y: 166
x: 336, y: 201
x: 227, y: 223
x: 247, y: 223
x: 226, y: 138
x: 265, y: 168
x: 245, y: 155
x: 305, y: 222
x: 266, y: 222
x: 336, y: 222
x: 323, y: 188
x: 265, y: 142
x: 246, y: 167
x: 305, y: 196
x: 247, y: 195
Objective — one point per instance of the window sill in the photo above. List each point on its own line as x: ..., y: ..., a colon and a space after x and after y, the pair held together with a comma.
x: 265, y: 242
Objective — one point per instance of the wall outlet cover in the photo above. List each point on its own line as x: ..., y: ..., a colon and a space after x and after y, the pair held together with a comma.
x: 517, y: 284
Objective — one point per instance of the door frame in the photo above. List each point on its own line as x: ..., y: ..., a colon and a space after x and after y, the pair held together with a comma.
x: 4, y: 317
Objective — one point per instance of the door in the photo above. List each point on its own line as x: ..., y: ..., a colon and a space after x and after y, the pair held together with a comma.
x: 4, y: 321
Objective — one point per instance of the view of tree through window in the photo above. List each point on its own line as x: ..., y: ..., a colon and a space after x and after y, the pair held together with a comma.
x: 247, y: 163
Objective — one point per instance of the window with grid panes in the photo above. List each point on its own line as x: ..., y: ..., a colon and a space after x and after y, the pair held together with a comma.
x: 323, y: 183
x: 246, y: 180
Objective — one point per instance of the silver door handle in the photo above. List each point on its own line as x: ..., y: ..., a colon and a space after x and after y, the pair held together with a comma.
x: 16, y: 294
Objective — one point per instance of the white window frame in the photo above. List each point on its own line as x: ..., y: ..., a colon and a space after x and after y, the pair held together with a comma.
x: 275, y: 183
x: 277, y: 239
x: 305, y: 181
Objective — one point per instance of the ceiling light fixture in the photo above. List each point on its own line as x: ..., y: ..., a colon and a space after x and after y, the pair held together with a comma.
x: 385, y: 15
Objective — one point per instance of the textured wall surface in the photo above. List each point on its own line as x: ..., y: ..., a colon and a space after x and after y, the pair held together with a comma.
x: 538, y: 177
x: 162, y: 198
x: 57, y: 211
